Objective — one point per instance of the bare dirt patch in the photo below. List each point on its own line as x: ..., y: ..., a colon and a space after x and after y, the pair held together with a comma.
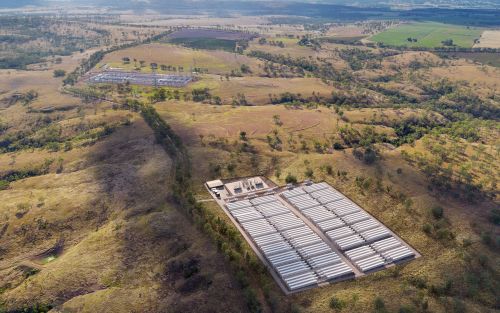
x: 489, y: 39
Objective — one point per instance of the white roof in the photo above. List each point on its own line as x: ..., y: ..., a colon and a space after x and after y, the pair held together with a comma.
x: 214, y: 183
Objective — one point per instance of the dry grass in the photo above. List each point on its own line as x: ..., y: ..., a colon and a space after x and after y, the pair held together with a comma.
x: 257, y: 122
x: 258, y: 89
x: 217, y: 62
x: 386, y: 116
x: 485, y: 77
x: 102, y: 210
x: 440, y: 259
x: 489, y: 39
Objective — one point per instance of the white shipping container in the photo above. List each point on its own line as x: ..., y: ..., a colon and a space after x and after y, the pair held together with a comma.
x: 370, y: 263
x: 365, y: 225
x: 340, y: 233
x: 305, y: 240
x: 313, y: 250
x: 350, y: 242
x: 264, y: 199
x: 360, y: 253
x: 301, y: 281
x: 376, y: 234
x: 293, y: 193
x: 238, y: 205
x: 331, y: 224
x: 335, y: 271
x: 398, y: 254
x: 315, y: 187
x: 297, y: 232
x: 324, y: 259
x: 386, y: 244
x: 355, y: 217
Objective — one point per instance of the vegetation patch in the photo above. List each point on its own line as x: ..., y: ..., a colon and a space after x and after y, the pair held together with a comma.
x: 206, y: 43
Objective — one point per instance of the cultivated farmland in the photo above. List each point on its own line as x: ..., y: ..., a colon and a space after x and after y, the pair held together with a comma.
x: 428, y: 35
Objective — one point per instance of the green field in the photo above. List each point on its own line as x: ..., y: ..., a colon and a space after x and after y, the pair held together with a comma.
x: 428, y: 35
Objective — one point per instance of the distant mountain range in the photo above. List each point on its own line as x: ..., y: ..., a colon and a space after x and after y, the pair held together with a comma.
x: 19, y: 3
x: 401, y: 4
x: 462, y: 12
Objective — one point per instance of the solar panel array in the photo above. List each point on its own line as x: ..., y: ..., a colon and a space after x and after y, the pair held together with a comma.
x: 363, y: 240
x: 120, y: 77
x: 298, y: 255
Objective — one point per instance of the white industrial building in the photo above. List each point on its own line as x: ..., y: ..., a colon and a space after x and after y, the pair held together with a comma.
x: 310, y: 234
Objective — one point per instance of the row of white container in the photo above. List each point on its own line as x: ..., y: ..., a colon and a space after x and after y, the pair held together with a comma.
x: 298, y: 275
x: 249, y: 202
x: 348, y: 231
x: 349, y: 227
x: 378, y: 254
x: 301, y: 258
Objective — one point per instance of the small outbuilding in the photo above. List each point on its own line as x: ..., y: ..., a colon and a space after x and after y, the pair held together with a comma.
x: 215, y: 184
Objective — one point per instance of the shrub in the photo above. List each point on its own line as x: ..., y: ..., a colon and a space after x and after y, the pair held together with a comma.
x: 309, y: 172
x: 195, y: 283
x: 418, y: 282
x: 443, y: 289
x: 406, y: 309
x: 294, y: 308
x: 445, y: 234
x: 4, y: 185
x: 437, y: 212
x: 487, y: 239
x: 290, y: 179
x: 329, y: 169
x: 242, y: 278
x: 252, y: 301
x: 59, y: 73
x: 495, y: 216
x: 458, y: 306
x: 337, y: 146
x: 379, y: 304
x: 337, y: 304
x: 370, y: 156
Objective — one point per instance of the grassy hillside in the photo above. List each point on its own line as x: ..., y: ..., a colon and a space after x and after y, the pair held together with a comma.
x: 100, y: 200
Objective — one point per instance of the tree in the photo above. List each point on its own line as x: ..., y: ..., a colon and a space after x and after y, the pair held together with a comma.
x: 290, y: 179
x: 277, y: 120
x: 379, y: 305
x: 447, y: 42
x: 309, y: 173
x: 59, y: 73
x: 217, y: 100
x: 437, y: 212
x: 243, y: 135
x: 200, y: 94
x: 369, y: 156
x: 245, y: 69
